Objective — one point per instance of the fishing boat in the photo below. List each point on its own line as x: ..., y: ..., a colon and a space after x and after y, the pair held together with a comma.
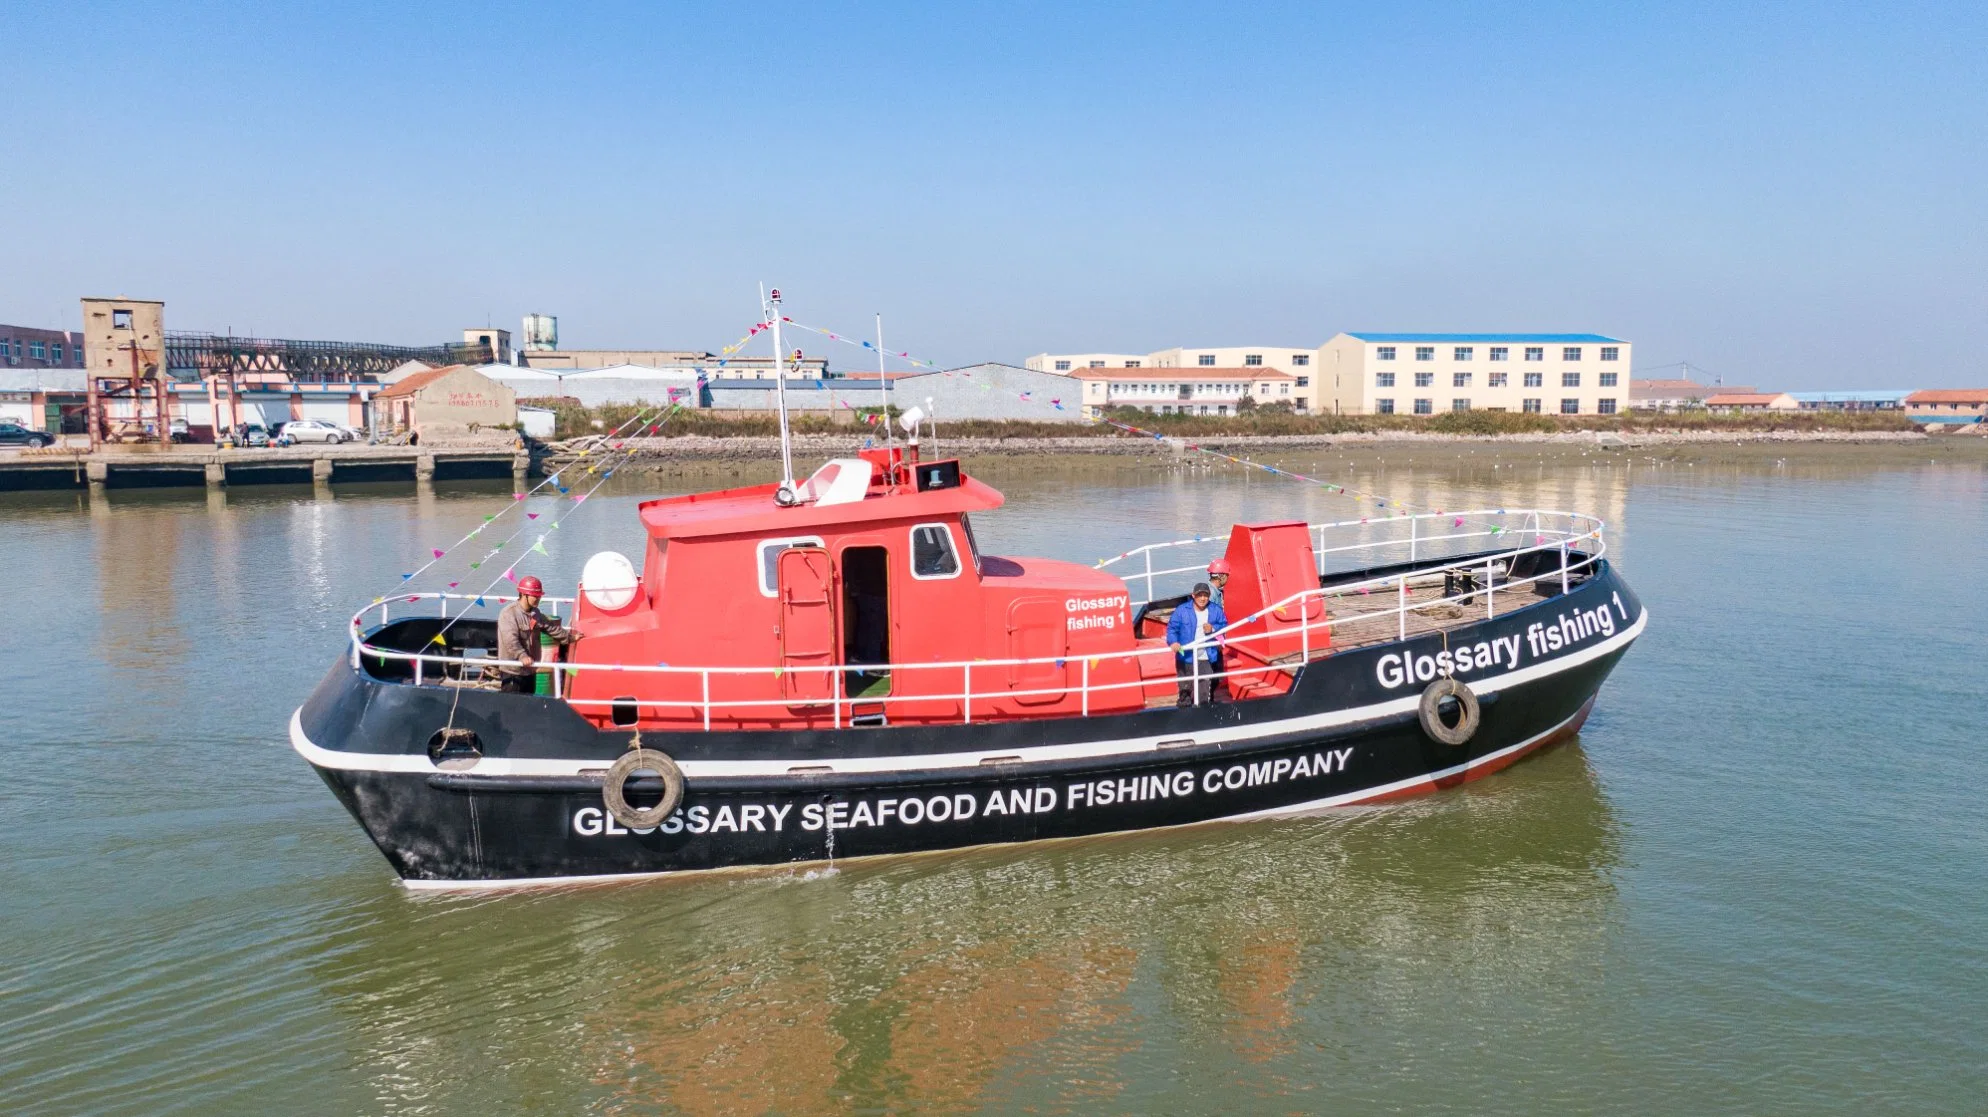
x: 829, y: 669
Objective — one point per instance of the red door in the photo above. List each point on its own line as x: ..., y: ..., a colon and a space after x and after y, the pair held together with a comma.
x: 1036, y: 631
x: 807, y: 624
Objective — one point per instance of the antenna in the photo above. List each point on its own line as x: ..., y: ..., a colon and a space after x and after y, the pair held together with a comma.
x: 883, y: 382
x: 934, y: 413
x: 786, y: 489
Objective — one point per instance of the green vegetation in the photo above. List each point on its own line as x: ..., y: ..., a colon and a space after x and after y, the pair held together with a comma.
x: 574, y: 420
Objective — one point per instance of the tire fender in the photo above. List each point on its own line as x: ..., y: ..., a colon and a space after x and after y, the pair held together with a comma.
x: 633, y: 761
x: 1430, y: 712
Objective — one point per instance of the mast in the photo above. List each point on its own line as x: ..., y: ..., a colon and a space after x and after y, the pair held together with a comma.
x: 883, y: 382
x: 780, y: 390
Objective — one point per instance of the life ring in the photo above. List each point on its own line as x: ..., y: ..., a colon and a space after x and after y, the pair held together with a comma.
x: 633, y: 761
x: 1432, y: 713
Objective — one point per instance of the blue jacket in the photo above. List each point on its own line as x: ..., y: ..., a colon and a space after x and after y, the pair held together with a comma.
x: 1180, y: 628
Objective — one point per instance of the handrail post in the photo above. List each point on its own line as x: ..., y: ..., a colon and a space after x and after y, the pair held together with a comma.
x: 1149, y: 573
x: 705, y: 675
x: 1085, y: 667
x: 1563, y: 565
x: 1401, y: 609
x: 835, y: 681
x: 1195, y: 678
x: 966, y: 690
x: 417, y: 670
x: 1304, y: 634
x: 1489, y: 610
x: 558, y: 681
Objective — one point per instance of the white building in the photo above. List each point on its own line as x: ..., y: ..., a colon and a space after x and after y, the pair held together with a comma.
x: 1297, y: 361
x: 1422, y: 374
x: 1183, y: 391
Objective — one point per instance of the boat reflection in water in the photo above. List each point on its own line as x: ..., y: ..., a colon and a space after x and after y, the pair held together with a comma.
x: 1051, y: 975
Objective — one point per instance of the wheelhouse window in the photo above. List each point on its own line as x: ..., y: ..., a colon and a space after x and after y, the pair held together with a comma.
x: 932, y: 553
x: 769, y: 560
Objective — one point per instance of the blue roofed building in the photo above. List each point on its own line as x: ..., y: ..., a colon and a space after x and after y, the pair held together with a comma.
x: 1851, y: 401
x: 1363, y: 373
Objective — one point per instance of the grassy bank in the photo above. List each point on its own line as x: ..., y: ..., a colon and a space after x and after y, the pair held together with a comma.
x: 574, y: 420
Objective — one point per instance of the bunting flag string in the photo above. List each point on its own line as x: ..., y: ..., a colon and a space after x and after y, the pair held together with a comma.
x: 1397, y: 508
x: 1393, y: 508
x: 518, y: 498
x: 538, y: 545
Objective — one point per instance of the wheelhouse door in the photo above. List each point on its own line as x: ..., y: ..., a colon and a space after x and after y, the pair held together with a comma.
x: 807, y: 624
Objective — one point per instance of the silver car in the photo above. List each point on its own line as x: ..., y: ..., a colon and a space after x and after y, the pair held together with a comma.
x: 311, y: 430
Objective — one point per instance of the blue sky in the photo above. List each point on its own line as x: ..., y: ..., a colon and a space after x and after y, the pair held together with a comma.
x: 1786, y: 194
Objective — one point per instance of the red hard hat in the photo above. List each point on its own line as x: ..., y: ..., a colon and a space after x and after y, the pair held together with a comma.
x: 530, y: 586
x: 1219, y: 566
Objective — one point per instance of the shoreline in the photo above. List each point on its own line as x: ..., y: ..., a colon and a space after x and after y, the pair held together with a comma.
x: 665, y: 453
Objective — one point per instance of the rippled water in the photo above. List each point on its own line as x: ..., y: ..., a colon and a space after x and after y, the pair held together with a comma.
x: 1759, y: 883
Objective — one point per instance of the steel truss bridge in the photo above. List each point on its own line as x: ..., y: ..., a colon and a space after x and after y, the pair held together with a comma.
x: 191, y: 355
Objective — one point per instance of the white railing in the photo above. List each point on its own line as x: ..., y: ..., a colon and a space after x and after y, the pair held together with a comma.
x: 1487, y: 573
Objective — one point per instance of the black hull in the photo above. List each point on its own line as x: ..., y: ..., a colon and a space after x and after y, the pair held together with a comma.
x: 531, y: 810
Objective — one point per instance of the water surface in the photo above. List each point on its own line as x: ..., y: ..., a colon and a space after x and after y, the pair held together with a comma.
x: 1757, y: 883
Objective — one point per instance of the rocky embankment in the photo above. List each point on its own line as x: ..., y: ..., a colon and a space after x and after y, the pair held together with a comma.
x: 814, y: 447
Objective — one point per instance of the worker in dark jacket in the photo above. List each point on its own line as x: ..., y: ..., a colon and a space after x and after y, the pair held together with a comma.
x: 1198, y: 618
x: 519, y: 627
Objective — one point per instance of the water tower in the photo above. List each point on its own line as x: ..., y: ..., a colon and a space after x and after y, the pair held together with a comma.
x: 541, y: 332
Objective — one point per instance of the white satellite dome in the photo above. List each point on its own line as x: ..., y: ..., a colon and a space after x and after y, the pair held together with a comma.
x: 609, y: 581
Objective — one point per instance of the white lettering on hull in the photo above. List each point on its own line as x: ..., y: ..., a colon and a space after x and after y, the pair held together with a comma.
x: 1542, y: 639
x: 966, y: 806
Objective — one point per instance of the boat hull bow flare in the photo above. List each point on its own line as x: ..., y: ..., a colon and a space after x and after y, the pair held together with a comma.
x: 908, y: 694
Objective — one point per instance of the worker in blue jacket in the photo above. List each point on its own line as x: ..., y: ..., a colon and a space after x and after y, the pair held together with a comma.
x: 1198, y: 618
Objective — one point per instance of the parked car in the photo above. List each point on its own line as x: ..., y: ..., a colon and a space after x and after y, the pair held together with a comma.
x: 178, y: 431
x: 310, y: 430
x: 252, y: 434
x: 14, y: 434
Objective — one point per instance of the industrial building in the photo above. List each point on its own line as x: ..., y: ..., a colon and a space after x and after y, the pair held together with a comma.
x: 1422, y: 374
x: 449, y: 403
x: 1751, y: 401
x: 1851, y: 401
x: 985, y: 391
x: 541, y: 351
